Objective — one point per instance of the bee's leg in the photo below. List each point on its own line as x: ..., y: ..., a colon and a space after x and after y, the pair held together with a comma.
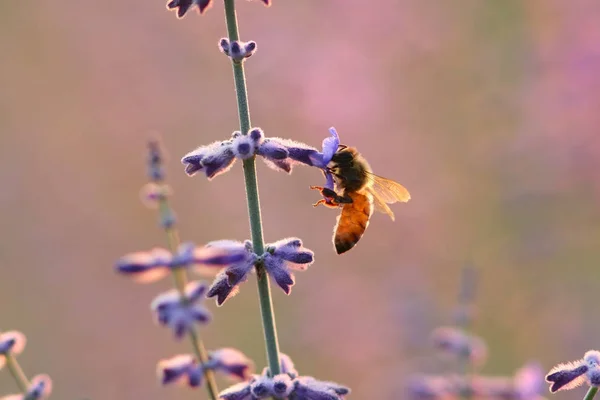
x: 330, y: 197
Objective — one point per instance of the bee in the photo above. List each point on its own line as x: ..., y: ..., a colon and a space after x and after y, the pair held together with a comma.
x: 358, y: 192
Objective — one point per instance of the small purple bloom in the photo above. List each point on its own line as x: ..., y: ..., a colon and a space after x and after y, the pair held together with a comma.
x: 282, y: 385
x: 213, y: 159
x: 155, y: 161
x: 330, y: 146
x: 284, y: 255
x: 237, y: 50
x: 180, y: 314
x: 153, y: 193
x: 570, y: 375
x: 458, y: 343
x: 261, y: 387
x: 179, y: 369
x: 230, y: 361
x: 39, y: 388
x: 152, y: 265
x: 12, y: 342
x: 182, y: 6
x: 227, y: 281
x: 308, y: 388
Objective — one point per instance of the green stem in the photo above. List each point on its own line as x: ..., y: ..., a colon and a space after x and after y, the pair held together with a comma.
x: 180, y: 280
x: 591, y: 393
x: 264, y: 290
x: 17, y: 372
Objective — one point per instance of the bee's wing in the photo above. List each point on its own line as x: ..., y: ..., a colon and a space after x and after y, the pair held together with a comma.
x: 380, y: 205
x: 387, y: 190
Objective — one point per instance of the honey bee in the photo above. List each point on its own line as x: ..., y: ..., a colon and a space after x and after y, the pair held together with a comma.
x: 358, y: 192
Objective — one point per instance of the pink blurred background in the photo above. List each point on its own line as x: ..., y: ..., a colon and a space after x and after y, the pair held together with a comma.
x: 486, y: 111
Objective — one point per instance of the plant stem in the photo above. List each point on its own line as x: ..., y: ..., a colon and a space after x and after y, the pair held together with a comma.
x: 180, y: 280
x: 591, y: 393
x: 17, y: 372
x: 264, y: 290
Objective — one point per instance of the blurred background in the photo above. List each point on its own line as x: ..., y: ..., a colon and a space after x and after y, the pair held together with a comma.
x: 486, y: 111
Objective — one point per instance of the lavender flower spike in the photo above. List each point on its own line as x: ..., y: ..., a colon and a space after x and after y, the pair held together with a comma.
x: 12, y: 342
x: 181, y: 314
x: 284, y: 255
x: 39, y: 389
x: 152, y: 265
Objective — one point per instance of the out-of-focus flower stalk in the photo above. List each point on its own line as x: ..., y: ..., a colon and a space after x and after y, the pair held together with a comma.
x: 180, y: 279
x: 591, y: 393
x: 464, y: 320
x: 264, y: 290
x: 17, y: 372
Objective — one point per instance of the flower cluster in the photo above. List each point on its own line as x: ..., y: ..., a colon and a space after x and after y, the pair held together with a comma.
x: 186, y: 369
x: 279, y: 259
x: 286, y: 385
x: 150, y: 266
x: 570, y: 375
x: 12, y: 343
x: 237, y: 50
x: 280, y: 154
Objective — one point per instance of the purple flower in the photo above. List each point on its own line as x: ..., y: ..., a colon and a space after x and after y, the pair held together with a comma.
x: 180, y: 314
x: 213, y: 159
x: 279, y: 259
x: 180, y: 369
x: 237, y: 50
x: 285, y: 385
x: 456, y: 342
x: 12, y: 342
x: 230, y: 361
x: 39, y: 388
x: 153, y: 193
x: 308, y: 388
x: 528, y: 381
x: 570, y: 375
x: 182, y: 6
x: 185, y: 367
x: 150, y: 266
x: 155, y: 161
x: 284, y: 255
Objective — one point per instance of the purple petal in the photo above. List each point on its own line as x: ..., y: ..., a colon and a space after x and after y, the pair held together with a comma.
x: 238, y: 272
x: 282, y: 385
x: 199, y: 314
x: 275, y: 266
x: 297, y: 151
x: 13, y: 342
x: 195, y: 290
x: 329, y: 181
x: 195, y: 376
x: 232, y: 362
x: 240, y: 391
x: 279, y: 165
x: 174, y: 369
x: 309, y: 388
x: 272, y: 150
x: 40, y: 387
x: 221, y: 289
x: 566, y: 378
x: 287, y: 365
x: 261, y: 387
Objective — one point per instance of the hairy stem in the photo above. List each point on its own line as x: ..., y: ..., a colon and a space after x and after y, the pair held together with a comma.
x: 180, y: 280
x: 264, y: 290
x: 591, y: 393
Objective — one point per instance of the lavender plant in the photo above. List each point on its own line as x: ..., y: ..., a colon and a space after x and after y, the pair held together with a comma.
x: 181, y: 309
x: 470, y: 353
x: 12, y: 344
